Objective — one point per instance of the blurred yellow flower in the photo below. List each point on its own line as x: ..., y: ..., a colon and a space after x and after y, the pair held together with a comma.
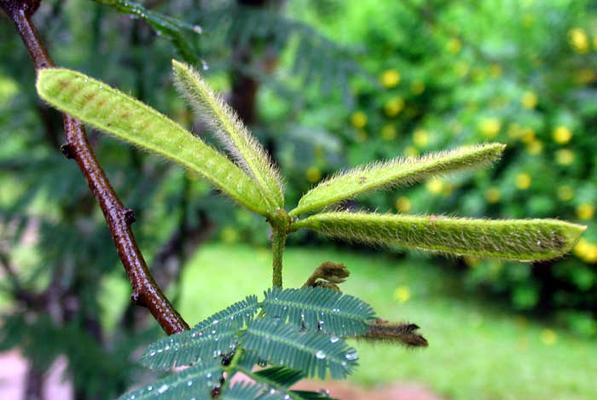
x: 565, y: 157
x: 585, y: 211
x: 562, y: 135
x: 490, y: 127
x: 229, y: 235
x: 313, y: 174
x: 417, y: 87
x: 565, y: 193
x: 535, y: 147
x: 435, y: 185
x: 523, y: 181
x: 549, y: 337
x: 411, y: 151
x: 578, y: 40
x: 529, y: 100
x: 358, y: 119
x: 388, y: 132
x: 394, y: 106
x: 581, y: 247
x: 390, y: 78
x: 528, y: 135
x: 403, y: 204
x: 493, y: 195
x: 454, y: 45
x: 591, y: 254
x: 586, y: 251
x: 402, y: 294
x: 421, y: 138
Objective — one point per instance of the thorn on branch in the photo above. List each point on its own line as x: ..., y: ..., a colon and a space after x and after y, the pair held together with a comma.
x: 136, y: 297
x: 129, y: 216
x: 68, y: 151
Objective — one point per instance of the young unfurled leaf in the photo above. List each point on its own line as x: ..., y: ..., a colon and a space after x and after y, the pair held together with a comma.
x: 310, y: 352
x: 319, y: 309
x: 401, y: 333
x: 523, y: 240
x: 114, y: 112
x: 397, y: 172
x: 230, y: 130
x: 194, y: 382
x: 328, y: 275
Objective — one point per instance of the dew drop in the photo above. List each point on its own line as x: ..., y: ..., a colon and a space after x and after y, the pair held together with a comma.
x: 320, y: 355
x: 163, y: 388
x: 351, y: 355
x: 204, y: 65
x: 334, y: 339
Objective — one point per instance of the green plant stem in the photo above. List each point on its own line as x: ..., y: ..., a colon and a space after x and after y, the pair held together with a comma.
x: 278, y: 243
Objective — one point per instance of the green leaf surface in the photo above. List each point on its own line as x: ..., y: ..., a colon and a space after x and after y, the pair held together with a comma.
x: 189, y: 347
x: 231, y: 132
x: 194, y: 382
x: 319, y: 309
x: 310, y: 352
x: 396, y: 172
x: 120, y: 115
x: 522, y: 240
x: 235, y: 316
x: 249, y: 391
x: 280, y: 375
x: 172, y: 28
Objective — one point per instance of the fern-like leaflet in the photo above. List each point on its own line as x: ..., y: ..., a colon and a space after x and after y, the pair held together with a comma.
x: 211, y: 339
x: 309, y: 308
x: 310, y: 352
x: 248, y: 333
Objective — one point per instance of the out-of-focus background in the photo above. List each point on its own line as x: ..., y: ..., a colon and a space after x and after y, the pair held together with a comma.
x: 325, y: 85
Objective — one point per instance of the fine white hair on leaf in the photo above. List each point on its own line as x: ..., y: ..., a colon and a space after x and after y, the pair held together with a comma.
x: 396, y: 172
x: 115, y: 113
x: 522, y: 240
x: 223, y: 121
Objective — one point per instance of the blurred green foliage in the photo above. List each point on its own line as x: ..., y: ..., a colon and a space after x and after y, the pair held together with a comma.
x: 453, y: 73
x: 431, y: 74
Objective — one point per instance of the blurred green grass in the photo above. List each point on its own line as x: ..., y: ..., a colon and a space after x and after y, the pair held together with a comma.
x: 476, y: 350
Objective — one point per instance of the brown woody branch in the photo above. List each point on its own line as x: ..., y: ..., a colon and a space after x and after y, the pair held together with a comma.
x: 145, y: 290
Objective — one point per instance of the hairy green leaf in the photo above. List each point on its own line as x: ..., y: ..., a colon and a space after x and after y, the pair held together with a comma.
x: 396, y: 172
x: 230, y: 130
x: 523, y: 240
x: 194, y: 382
x: 319, y: 309
x: 120, y: 115
x: 309, y: 351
